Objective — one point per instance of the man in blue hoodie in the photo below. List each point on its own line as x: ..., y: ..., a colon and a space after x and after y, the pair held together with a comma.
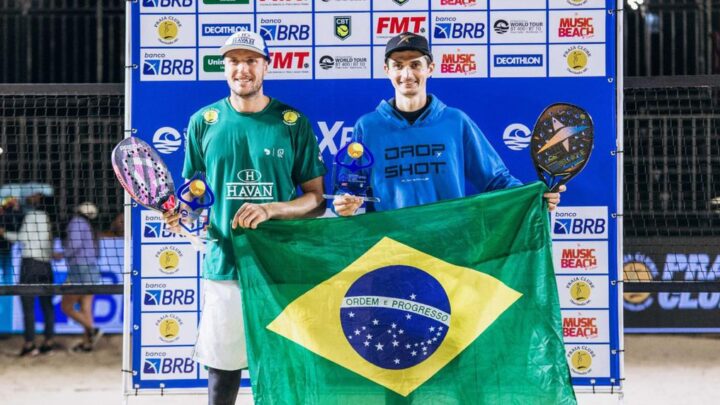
x: 424, y: 150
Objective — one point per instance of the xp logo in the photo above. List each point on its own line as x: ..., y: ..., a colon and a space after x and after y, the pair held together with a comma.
x: 167, y: 140
x: 459, y: 30
x: 342, y: 27
x: 169, y: 296
x: 167, y: 3
x: 168, y: 67
x: 284, y: 32
x: 517, y: 136
x: 169, y: 365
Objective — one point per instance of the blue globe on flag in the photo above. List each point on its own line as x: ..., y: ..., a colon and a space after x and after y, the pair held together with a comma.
x: 395, y: 317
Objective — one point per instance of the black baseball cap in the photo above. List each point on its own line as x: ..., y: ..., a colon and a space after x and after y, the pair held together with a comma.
x: 408, y: 41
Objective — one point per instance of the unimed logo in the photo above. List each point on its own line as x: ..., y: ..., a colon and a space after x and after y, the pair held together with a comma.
x: 290, y: 60
x: 213, y: 64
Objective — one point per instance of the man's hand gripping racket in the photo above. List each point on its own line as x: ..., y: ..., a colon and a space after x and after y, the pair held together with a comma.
x: 144, y: 175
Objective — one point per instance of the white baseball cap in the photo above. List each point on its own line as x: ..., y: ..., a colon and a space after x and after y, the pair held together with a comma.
x: 247, y: 40
x: 88, y: 209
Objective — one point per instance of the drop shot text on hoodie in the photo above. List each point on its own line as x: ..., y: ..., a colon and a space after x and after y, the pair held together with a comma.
x: 430, y: 160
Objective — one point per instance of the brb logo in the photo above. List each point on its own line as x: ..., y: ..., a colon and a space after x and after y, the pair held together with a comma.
x: 272, y: 29
x: 580, y: 223
x: 170, y: 295
x: 162, y: 364
x: 450, y: 29
x: 160, y: 64
x: 167, y: 3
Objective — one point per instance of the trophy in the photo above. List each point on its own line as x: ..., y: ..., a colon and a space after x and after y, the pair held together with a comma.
x: 196, y: 198
x: 351, y: 172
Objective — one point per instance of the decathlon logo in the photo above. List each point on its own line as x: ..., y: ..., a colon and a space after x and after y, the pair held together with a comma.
x: 517, y: 136
x: 223, y: 30
x: 518, y: 60
x: 167, y: 140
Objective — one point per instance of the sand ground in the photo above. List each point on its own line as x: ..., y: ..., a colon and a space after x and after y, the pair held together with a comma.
x: 665, y: 369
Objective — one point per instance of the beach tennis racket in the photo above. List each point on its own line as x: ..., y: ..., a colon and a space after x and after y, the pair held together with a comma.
x: 561, y: 143
x: 144, y: 175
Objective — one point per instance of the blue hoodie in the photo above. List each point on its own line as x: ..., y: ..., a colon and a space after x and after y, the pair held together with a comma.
x: 430, y: 160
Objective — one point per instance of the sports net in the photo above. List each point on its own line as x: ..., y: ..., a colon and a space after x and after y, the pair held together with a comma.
x: 61, y: 214
x: 672, y: 184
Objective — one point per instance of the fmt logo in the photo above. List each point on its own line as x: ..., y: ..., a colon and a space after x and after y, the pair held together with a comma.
x: 459, y: 30
x: 283, y: 32
x: 458, y: 63
x: 167, y: 3
x: 168, y: 296
x: 169, y: 365
x: 397, y: 25
x: 580, y: 226
x: 576, y: 27
x: 166, y: 67
x: 223, y: 30
x: 290, y: 60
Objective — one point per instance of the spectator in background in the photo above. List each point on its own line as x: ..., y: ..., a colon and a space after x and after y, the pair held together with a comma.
x: 10, y: 219
x: 35, y: 236
x: 81, y: 254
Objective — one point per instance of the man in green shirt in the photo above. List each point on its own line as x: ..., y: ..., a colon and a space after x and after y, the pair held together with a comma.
x: 255, y: 151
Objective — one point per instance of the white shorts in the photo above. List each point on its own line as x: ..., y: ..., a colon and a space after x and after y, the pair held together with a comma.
x: 221, y: 334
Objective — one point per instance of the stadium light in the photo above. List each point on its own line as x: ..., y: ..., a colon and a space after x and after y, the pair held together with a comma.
x: 635, y: 4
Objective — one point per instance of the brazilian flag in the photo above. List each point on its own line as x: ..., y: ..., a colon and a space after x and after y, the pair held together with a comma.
x: 447, y: 303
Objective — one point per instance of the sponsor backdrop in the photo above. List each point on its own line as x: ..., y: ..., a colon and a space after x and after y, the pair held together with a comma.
x: 672, y: 259
x: 501, y: 61
x: 107, y: 309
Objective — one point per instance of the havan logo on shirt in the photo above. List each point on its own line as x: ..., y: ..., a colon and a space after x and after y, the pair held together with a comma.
x: 249, y: 187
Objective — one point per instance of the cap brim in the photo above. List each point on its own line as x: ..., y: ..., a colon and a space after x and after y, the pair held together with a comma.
x: 227, y: 48
x: 407, y: 48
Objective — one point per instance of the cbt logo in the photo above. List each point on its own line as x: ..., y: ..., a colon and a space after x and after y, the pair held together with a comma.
x: 580, y: 223
x: 168, y: 65
x: 169, y: 295
x: 277, y: 29
x: 168, y: 364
